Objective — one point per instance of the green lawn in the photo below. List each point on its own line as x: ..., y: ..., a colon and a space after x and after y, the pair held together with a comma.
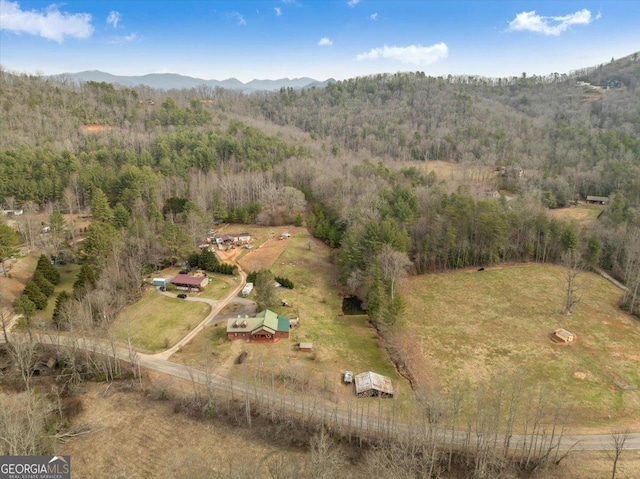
x: 219, y: 286
x: 473, y: 327
x: 157, y: 322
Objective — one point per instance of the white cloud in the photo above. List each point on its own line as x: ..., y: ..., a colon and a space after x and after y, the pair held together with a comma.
x: 50, y: 23
x: 278, y: 11
x: 113, y: 18
x: 413, y: 54
x: 125, y: 39
x: 353, y: 3
x: 239, y: 18
x: 374, y: 16
x: 325, y: 42
x: 530, y: 22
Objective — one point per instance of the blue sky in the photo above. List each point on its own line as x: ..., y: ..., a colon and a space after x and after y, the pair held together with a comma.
x: 319, y: 39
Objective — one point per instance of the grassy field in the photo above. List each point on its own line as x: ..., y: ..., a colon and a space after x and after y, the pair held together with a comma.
x: 219, y: 286
x: 157, y: 322
x: 475, y: 326
x: 584, y: 214
x: 340, y: 342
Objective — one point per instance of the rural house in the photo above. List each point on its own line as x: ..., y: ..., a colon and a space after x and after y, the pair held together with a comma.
x: 372, y: 384
x: 265, y: 327
x: 185, y: 282
x: 243, y: 237
x: 236, y: 238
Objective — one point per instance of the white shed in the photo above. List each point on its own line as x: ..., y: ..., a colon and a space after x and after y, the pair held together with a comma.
x: 160, y: 282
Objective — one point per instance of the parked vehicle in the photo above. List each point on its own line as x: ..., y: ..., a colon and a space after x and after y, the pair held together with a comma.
x: 182, y: 296
x: 348, y: 377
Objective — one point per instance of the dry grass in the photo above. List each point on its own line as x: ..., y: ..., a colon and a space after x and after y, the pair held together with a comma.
x: 20, y: 273
x: 94, y: 128
x: 157, y: 322
x: 583, y: 214
x: 136, y: 437
x: 139, y: 437
x: 474, y: 326
x: 456, y: 173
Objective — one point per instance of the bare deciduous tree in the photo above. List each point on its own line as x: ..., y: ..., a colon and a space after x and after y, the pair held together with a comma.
x: 22, y: 424
x: 618, y: 441
x: 327, y: 461
x: 24, y: 353
x: 573, y: 268
x: 394, y: 265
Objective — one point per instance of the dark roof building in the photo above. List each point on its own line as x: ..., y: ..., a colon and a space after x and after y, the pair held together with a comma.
x: 184, y: 281
x: 602, y: 200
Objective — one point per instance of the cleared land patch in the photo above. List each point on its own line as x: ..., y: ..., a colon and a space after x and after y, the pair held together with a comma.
x: 472, y: 327
x: 583, y: 214
x: 157, y: 322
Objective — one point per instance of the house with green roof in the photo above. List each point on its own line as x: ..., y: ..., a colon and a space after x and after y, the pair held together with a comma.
x: 265, y: 327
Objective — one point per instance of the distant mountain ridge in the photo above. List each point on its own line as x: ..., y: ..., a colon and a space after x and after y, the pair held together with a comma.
x: 169, y: 81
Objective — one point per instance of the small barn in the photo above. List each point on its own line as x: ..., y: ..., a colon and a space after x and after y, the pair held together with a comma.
x: 44, y: 365
x: 185, y: 282
x: 597, y: 200
x: 372, y: 384
x: 162, y: 282
x: 563, y: 336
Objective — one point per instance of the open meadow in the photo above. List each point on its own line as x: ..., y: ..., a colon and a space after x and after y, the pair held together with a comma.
x: 471, y: 328
x: 584, y: 214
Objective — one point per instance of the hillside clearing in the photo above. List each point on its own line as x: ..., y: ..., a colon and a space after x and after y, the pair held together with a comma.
x: 472, y: 327
x: 583, y: 214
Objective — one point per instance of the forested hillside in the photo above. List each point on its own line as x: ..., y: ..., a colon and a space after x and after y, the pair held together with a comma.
x: 171, y: 164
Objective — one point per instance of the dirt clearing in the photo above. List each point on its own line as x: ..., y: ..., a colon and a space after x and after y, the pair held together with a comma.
x: 95, y: 128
